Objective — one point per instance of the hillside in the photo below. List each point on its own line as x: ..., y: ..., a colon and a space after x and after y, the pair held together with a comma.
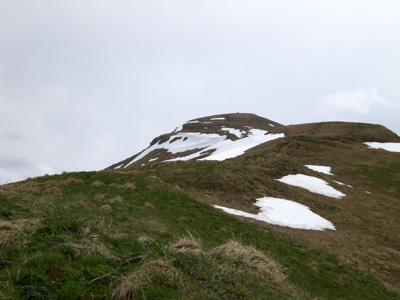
x: 151, y: 232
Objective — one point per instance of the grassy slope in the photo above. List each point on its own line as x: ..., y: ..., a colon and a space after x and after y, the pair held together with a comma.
x: 74, y: 246
x: 368, y: 225
x: 84, y: 243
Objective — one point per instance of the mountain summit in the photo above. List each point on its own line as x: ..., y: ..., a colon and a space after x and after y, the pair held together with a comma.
x: 216, y: 137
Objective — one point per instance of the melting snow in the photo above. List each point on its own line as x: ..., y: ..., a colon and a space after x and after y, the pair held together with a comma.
x: 188, y: 141
x: 230, y: 149
x: 341, y: 183
x: 313, y: 184
x: 237, y: 132
x: 225, y: 148
x: 217, y: 119
x: 153, y: 159
x: 222, y: 147
x: 392, y: 147
x: 321, y: 169
x: 284, y: 213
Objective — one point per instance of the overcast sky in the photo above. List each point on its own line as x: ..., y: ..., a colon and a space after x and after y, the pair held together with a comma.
x: 85, y: 84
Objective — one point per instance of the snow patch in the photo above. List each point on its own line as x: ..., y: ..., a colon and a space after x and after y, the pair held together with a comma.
x: 392, y: 147
x: 229, y: 149
x: 237, y: 132
x: 341, y: 183
x: 153, y: 159
x: 283, y: 212
x: 313, y: 184
x: 217, y: 119
x: 225, y: 148
x: 221, y: 147
x: 321, y: 169
x: 368, y: 192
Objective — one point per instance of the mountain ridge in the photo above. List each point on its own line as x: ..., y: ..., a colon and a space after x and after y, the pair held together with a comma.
x: 313, y: 212
x: 357, y: 171
x: 231, y: 126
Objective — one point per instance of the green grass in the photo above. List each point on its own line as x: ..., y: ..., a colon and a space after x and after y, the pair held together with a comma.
x: 81, y: 250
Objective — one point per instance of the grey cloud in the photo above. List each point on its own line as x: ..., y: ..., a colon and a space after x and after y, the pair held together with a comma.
x: 9, y: 136
x: 17, y: 169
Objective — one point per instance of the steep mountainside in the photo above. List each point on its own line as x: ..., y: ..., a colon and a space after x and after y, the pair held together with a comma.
x: 231, y: 206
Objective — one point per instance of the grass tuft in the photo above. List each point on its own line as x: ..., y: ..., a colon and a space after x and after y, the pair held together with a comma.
x: 146, y: 241
x: 117, y: 199
x: 74, y: 181
x: 129, y: 186
x: 187, y: 245
x: 97, y: 184
x: 53, y: 191
x: 252, y: 257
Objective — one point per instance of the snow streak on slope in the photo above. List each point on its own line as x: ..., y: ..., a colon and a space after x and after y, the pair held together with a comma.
x: 222, y: 147
x: 313, y: 184
x: 392, y: 147
x: 321, y: 169
x: 284, y: 213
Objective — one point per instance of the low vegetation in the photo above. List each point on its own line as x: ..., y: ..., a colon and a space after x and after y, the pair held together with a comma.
x: 67, y: 246
x: 150, y: 233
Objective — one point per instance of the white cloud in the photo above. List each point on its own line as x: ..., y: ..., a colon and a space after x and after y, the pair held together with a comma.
x: 359, y: 100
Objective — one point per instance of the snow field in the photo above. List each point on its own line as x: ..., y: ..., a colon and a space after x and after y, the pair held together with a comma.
x: 392, y: 147
x: 283, y: 212
x: 223, y: 148
x: 321, y: 169
x: 312, y: 184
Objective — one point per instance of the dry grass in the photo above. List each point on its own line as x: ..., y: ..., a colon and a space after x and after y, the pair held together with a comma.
x: 97, y: 184
x: 99, y: 197
x: 115, y: 185
x: 252, y: 257
x: 148, y: 205
x: 53, y: 191
x: 52, y: 182
x: 146, y: 241
x: 105, y: 207
x: 13, y: 230
x: 187, y: 245
x: 84, y: 230
x: 74, y: 181
x: 88, y: 247
x: 133, y: 284
x: 163, y: 270
x: 129, y: 286
x: 129, y: 186
x: 116, y: 200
